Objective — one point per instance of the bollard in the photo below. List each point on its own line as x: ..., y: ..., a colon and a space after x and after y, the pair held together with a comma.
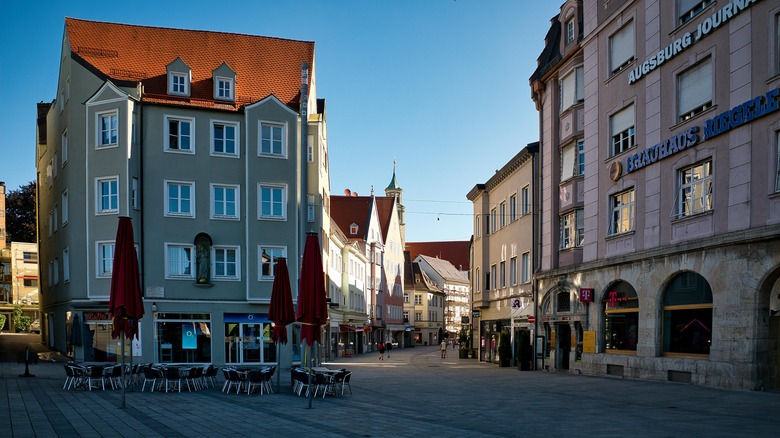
x: 26, y: 364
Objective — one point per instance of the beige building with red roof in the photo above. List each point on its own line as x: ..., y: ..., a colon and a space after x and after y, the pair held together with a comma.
x: 197, y: 136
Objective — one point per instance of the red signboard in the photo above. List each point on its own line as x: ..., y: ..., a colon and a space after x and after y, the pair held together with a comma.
x: 586, y: 295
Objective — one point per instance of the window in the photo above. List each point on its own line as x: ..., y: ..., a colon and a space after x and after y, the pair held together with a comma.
x: 478, y: 221
x: 695, y: 192
x: 502, y: 214
x: 179, y: 135
x: 572, y: 157
x: 570, y: 31
x: 572, y: 89
x: 105, y: 258
x: 406, y: 297
x: 56, y: 279
x: 418, y: 299
x: 224, y: 88
x: 687, y: 9
x: 694, y: 90
x: 622, y: 207
x: 223, y: 138
x: 493, y: 221
x: 226, y: 263
x: 179, y: 262
x: 418, y: 316
x: 621, y: 312
x: 493, y: 277
x: 65, y: 207
x: 224, y: 201
x: 66, y: 265
x: 134, y: 194
x: 178, y: 84
x: 513, y: 271
x: 272, y: 202
x: 621, y: 128
x: 513, y: 207
x: 272, y: 139
x: 107, y: 195
x: 572, y: 231
x: 777, y: 44
x: 310, y: 206
x: 777, y: 172
x: 268, y: 256
x: 502, y: 273
x: 64, y: 147
x: 687, y: 316
x: 621, y: 48
x: 525, y: 275
x: 477, y: 282
x: 107, y: 129
x: 525, y: 195
x: 179, y: 198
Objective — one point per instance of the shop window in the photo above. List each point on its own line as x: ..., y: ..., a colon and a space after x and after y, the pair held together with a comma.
x: 183, y: 338
x: 687, y: 316
x: 621, y: 317
x: 99, y: 346
x: 249, y: 342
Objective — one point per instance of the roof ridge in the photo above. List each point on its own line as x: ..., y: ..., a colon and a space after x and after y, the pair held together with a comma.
x: 188, y: 30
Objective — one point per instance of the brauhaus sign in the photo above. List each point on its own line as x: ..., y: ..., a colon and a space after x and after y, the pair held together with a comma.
x: 721, y: 123
x: 717, y: 19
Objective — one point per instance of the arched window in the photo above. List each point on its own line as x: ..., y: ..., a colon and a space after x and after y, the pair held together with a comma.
x: 687, y: 317
x: 621, y: 318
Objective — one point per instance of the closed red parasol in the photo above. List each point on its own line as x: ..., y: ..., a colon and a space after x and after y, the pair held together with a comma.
x: 280, y: 310
x: 125, y: 302
x: 312, y: 307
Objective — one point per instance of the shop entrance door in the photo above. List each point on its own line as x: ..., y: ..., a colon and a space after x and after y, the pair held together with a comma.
x: 564, y: 346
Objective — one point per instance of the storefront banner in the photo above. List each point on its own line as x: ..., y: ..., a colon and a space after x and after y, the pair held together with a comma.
x: 189, y: 339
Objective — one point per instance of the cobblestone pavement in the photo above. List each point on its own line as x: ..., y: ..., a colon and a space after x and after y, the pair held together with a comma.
x: 413, y: 393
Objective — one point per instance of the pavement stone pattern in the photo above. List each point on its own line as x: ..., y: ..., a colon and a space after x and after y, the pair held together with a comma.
x: 414, y: 393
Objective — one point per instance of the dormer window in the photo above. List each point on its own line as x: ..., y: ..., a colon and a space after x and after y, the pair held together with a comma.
x: 224, y: 88
x: 178, y: 83
x: 179, y: 78
x: 224, y: 82
x: 570, y: 31
x: 353, y: 229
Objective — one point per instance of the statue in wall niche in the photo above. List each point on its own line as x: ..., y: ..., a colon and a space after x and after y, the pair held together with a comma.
x: 203, y: 258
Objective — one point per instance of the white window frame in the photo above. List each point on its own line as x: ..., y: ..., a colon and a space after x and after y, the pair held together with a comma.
x: 236, y: 201
x: 167, y: 184
x: 64, y: 147
x: 224, y: 88
x: 215, y: 263
x: 525, y: 199
x: 689, y: 203
x: 261, y: 202
x: 622, y: 48
x: 172, y: 85
x: 65, y: 207
x: 283, y: 140
x: 502, y: 214
x: 572, y: 229
x: 167, y: 119
x: 276, y: 249
x: 513, y: 271
x: 622, y: 211
x: 99, y: 210
x: 694, y: 90
x: 572, y: 88
x: 502, y: 273
x: 513, y: 207
x: 66, y: 265
x: 622, y: 132
x: 478, y: 221
x: 570, y: 31
x: 493, y: 221
x: 525, y: 268
x: 99, y: 117
x: 236, y: 136
x: 104, y: 264
x: 493, y: 277
x: 181, y: 249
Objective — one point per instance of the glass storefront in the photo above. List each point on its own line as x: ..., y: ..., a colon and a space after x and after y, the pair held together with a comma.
x: 183, y: 338
x: 248, y: 339
x: 99, y: 346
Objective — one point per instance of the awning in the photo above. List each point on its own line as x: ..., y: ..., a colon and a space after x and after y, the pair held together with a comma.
x: 396, y: 327
x: 349, y: 328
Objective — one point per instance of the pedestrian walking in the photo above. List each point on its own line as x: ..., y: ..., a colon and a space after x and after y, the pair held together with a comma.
x: 381, y: 351
x: 388, y: 347
x: 443, y: 349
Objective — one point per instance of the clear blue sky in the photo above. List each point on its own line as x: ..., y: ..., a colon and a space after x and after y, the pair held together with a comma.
x: 441, y: 86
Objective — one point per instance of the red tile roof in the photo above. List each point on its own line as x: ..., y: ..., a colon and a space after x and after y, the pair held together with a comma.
x: 384, y: 207
x: 348, y: 210
x: 263, y: 65
x: 455, y: 252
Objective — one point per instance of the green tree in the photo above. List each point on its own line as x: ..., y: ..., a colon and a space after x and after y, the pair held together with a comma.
x: 21, y: 321
x: 20, y: 214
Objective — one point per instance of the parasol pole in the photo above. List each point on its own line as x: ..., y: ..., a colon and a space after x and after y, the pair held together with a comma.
x: 122, y: 383
x: 279, y: 367
x: 311, y: 359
